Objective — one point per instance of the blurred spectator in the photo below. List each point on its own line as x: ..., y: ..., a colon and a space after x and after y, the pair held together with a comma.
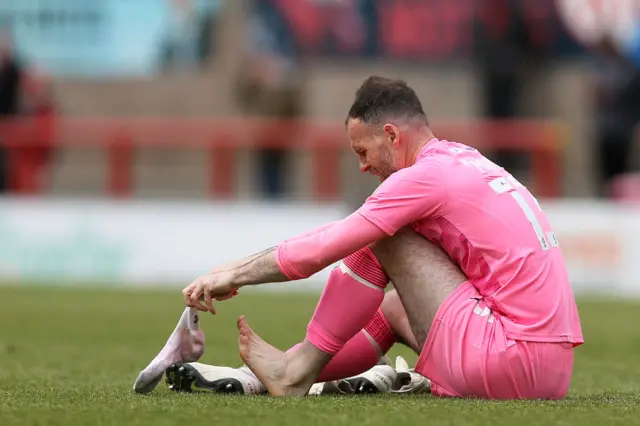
x: 617, y: 100
x: 11, y: 74
x: 506, y: 56
x: 34, y: 160
x: 270, y: 85
x: 190, y: 29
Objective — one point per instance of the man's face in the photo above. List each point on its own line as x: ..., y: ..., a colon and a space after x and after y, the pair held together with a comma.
x: 378, y: 150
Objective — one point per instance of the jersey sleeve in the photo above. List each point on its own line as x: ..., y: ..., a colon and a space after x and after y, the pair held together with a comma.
x: 303, y: 256
x: 406, y: 196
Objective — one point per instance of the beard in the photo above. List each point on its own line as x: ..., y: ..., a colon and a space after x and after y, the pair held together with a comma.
x: 387, y: 167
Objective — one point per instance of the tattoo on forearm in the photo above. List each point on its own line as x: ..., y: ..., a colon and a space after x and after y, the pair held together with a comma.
x: 264, y: 268
x: 259, y: 268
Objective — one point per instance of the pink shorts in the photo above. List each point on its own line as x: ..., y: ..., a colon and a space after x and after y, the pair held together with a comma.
x: 467, y: 355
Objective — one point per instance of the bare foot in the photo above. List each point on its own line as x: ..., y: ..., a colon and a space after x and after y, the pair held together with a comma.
x: 268, y: 363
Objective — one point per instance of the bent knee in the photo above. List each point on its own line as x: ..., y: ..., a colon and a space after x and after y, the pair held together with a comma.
x: 407, y: 244
x: 400, y: 238
x: 409, y: 250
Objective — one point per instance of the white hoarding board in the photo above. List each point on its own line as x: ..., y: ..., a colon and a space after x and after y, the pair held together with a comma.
x: 141, y: 242
x: 170, y: 243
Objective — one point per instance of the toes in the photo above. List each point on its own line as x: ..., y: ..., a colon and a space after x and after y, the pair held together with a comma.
x: 242, y: 321
x: 243, y: 326
x: 243, y: 345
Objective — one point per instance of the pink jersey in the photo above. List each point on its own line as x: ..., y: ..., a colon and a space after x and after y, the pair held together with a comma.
x: 493, y: 229
x: 488, y: 223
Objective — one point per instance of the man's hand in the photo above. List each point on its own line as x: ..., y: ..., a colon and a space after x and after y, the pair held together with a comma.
x: 224, y: 281
x: 216, y: 285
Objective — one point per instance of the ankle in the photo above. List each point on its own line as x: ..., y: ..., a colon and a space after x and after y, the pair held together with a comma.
x: 305, y: 364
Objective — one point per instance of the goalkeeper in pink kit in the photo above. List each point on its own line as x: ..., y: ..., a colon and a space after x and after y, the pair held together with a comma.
x: 481, y: 288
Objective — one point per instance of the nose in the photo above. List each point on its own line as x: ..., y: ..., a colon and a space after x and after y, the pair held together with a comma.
x: 364, y: 167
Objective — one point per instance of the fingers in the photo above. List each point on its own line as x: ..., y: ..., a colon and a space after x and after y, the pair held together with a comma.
x: 186, y: 293
x: 201, y: 293
x: 208, y: 302
x: 197, y: 295
x: 192, y: 294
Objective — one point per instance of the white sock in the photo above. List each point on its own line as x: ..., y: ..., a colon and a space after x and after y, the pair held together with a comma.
x: 185, y: 344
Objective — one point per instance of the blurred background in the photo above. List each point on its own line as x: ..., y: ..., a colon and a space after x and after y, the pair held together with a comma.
x: 143, y: 142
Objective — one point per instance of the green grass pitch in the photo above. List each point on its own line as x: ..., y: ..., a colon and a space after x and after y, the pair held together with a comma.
x: 69, y: 357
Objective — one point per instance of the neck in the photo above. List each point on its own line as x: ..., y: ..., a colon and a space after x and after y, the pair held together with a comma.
x: 421, y: 142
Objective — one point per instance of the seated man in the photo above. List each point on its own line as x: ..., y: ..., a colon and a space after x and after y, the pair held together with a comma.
x: 477, y: 268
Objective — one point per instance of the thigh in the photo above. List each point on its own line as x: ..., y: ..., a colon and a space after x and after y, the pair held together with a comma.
x: 422, y: 274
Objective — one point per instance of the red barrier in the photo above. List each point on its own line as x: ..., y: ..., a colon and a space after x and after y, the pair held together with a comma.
x: 541, y: 140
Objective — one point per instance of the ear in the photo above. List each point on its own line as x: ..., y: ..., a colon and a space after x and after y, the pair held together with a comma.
x: 392, y: 133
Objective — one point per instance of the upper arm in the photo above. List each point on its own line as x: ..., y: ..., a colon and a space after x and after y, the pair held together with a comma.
x: 406, y: 196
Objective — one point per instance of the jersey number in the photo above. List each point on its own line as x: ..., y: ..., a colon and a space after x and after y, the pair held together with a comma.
x: 507, y: 185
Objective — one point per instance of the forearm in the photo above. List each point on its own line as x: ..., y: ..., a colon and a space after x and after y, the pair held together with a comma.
x: 262, y: 267
x: 306, y: 254
x: 303, y: 256
x: 258, y: 268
